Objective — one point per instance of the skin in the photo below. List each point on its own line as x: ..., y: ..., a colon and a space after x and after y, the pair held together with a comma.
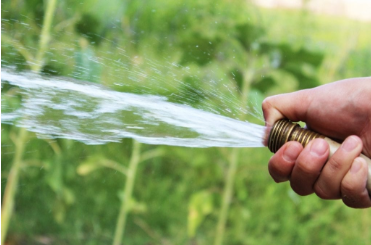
x: 341, y: 111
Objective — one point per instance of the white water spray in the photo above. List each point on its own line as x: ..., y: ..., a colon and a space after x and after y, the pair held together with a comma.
x: 64, y: 108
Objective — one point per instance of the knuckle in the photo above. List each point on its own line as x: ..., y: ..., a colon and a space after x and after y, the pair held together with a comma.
x: 347, y: 186
x: 306, y: 167
x: 266, y: 104
x: 334, y: 164
x: 321, y: 192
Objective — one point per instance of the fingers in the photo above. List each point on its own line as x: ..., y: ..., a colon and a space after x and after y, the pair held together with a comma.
x: 328, y: 184
x: 308, y: 167
x: 282, y: 163
x: 353, y: 186
x: 343, y: 175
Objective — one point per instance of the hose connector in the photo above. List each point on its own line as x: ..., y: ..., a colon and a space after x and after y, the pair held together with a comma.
x: 284, y: 130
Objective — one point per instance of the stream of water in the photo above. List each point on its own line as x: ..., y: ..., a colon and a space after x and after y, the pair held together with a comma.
x: 60, y: 107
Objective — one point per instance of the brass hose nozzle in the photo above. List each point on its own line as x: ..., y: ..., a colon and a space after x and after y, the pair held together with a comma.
x: 284, y: 130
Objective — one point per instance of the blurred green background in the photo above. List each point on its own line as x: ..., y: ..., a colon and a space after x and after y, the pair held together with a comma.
x: 222, y: 56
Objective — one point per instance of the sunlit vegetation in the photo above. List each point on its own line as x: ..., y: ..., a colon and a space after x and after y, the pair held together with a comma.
x: 221, y: 56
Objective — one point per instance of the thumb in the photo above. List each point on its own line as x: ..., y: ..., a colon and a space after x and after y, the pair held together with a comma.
x: 293, y: 106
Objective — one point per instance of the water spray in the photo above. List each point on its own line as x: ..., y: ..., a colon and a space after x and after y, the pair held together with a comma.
x: 117, y: 115
x: 284, y: 130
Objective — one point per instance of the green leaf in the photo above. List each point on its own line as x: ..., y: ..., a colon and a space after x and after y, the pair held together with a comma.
x: 68, y: 196
x: 137, y: 207
x: 59, y: 211
x: 199, y: 50
x: 256, y: 98
x: 87, y: 168
x: 54, y: 176
x: 264, y: 84
x: 95, y: 162
x: 248, y: 34
x: 200, y: 205
x: 87, y: 67
x: 192, y: 88
x: 237, y: 76
x: 89, y: 27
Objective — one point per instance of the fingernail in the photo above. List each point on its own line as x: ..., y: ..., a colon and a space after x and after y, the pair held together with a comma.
x: 356, y: 166
x: 290, y: 154
x: 318, y: 147
x: 350, y: 144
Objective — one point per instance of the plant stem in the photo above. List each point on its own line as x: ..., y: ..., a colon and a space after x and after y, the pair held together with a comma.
x: 126, y: 201
x: 19, y: 47
x: 227, y: 197
x: 45, y: 35
x: 233, y: 164
x: 11, y: 185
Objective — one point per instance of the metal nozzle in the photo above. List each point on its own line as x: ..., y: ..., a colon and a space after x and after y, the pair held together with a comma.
x: 284, y: 130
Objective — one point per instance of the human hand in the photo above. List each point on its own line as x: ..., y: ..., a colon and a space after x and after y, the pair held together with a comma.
x: 340, y: 110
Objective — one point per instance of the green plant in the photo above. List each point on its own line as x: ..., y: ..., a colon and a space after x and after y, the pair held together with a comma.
x: 127, y: 200
x: 36, y: 63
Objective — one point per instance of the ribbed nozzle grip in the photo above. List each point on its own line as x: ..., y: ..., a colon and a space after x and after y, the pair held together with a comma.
x: 285, y: 130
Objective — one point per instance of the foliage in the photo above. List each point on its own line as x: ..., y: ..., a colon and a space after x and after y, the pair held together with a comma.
x: 200, y: 53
